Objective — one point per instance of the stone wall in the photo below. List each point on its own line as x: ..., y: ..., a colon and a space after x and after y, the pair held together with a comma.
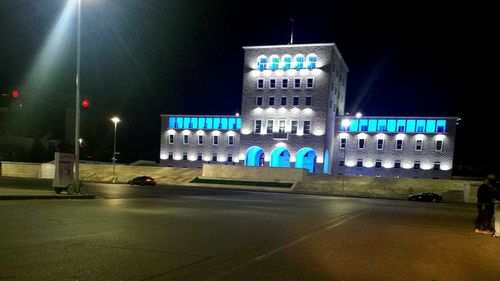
x: 271, y: 174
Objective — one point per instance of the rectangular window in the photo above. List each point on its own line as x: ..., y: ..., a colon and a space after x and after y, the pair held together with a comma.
x: 359, y: 164
x: 186, y: 139
x: 260, y: 83
x: 307, y: 127
x: 272, y: 83
x: 399, y: 144
x: 420, y: 126
x: 258, y: 101
x: 372, y: 125
x: 257, y: 128
x: 439, y: 145
x: 170, y: 156
x: 397, y: 164
x: 269, y: 126
x: 215, y: 140
x: 416, y: 165
x: 363, y: 125
x: 401, y: 124
x: 437, y: 166
x: 230, y: 140
x: 170, y: 139
x: 284, y: 83
x: 378, y: 163
x: 271, y: 100
x: 230, y: 158
x: 382, y: 125
x: 341, y: 163
x: 282, y: 126
x: 295, y: 100
x: 391, y: 126
x: 294, y: 126
x: 343, y: 142
x: 308, y: 100
x: 200, y: 139
x: 441, y: 126
x: 214, y: 157
x: 310, y: 83
x: 418, y: 145
x: 380, y: 144
x: 283, y: 100
x: 184, y: 156
x: 296, y: 83
x: 361, y: 143
x: 199, y: 157
x: 410, y: 126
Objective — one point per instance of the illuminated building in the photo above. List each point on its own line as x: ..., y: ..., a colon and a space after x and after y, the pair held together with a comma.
x: 293, y: 101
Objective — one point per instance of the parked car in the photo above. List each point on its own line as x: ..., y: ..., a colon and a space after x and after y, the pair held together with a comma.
x: 142, y: 180
x: 426, y: 197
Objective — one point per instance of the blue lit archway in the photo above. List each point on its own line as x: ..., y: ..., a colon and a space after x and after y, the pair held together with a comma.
x: 306, y: 158
x: 254, y: 156
x: 280, y: 157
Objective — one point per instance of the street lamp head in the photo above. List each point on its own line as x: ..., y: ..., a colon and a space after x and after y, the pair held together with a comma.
x: 358, y: 115
x: 115, y: 119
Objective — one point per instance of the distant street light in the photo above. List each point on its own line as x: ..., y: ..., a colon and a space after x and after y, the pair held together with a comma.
x: 115, y: 120
x: 358, y: 115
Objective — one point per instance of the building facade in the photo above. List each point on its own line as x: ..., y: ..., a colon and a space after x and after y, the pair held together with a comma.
x: 293, y: 102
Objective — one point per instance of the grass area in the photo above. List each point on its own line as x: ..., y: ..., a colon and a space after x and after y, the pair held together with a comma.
x: 241, y: 182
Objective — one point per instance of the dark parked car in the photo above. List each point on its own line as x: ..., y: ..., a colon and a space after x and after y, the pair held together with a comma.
x: 426, y: 197
x: 143, y: 180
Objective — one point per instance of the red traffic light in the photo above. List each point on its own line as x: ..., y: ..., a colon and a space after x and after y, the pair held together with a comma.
x: 85, y: 103
x: 14, y: 94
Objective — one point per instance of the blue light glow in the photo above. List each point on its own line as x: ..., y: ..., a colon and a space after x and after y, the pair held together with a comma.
x: 201, y: 123
x: 171, y: 122
x: 194, y: 122
x: 186, y: 123
x: 401, y: 125
x: 354, y: 125
x: 280, y: 157
x: 311, y: 61
x: 431, y: 126
x: 382, y: 125
x: 287, y: 62
x: 262, y: 63
x: 420, y: 126
x: 299, y: 61
x: 363, y: 125
x: 274, y: 62
x: 210, y: 123
x: 306, y: 158
x: 326, y: 163
x: 217, y: 123
x: 238, y: 123
x: 179, y: 124
x: 254, y: 156
x: 410, y: 126
x: 441, y: 126
x: 224, y: 123
x: 391, y: 126
x: 372, y: 125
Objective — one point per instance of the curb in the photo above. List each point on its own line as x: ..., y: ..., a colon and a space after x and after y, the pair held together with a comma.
x: 44, y: 197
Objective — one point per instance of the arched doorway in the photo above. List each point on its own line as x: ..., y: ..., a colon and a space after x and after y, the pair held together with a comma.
x: 280, y: 157
x: 306, y: 158
x: 254, y: 156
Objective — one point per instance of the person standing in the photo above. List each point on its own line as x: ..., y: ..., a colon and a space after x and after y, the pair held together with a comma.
x: 484, y: 203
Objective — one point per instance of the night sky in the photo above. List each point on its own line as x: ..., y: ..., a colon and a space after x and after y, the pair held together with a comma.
x: 144, y: 58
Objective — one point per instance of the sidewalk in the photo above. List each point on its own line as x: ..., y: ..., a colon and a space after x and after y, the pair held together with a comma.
x: 25, y: 193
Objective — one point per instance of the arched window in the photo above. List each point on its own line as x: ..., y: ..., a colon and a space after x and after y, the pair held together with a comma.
x: 299, y: 61
x: 286, y: 62
x: 262, y: 63
x: 311, y: 61
x: 274, y: 61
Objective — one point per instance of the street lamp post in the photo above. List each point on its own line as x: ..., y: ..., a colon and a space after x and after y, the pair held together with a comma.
x: 115, y: 120
x: 77, y: 103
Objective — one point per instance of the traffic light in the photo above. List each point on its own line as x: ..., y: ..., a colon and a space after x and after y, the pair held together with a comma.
x: 14, y: 93
x: 85, y: 103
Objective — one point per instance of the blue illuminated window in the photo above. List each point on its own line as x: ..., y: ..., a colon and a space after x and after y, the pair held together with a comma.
x: 420, y: 126
x: 194, y: 122
x: 391, y: 126
x: 382, y: 125
x: 217, y: 123
x: 186, y: 123
x: 261, y: 62
x: 232, y: 123
x: 210, y: 123
x: 238, y: 123
x: 344, y: 125
x: 401, y: 125
x: 286, y: 62
x: 179, y: 124
x: 171, y: 122
x: 201, y: 123
x: 410, y: 126
x: 431, y: 126
x: 354, y: 125
x: 224, y: 123
x: 441, y: 126
x: 299, y: 61
x: 363, y: 125
x: 311, y: 61
x: 372, y: 125
x: 274, y: 62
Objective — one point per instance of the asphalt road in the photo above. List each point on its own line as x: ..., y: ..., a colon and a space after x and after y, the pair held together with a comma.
x: 167, y: 233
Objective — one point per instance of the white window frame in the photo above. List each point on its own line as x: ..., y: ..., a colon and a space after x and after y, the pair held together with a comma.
x: 296, y: 126
x: 215, y: 156
x: 269, y: 101
x: 257, y: 101
x: 383, y: 144
x: 170, y: 156
x: 198, y: 157
x: 307, y: 83
x: 184, y: 156
x: 340, y: 143
x: 171, y: 138
x: 295, y: 84
x: 255, y: 126
x: 281, y: 101
x: 421, y: 145
x: 202, y: 139
x: 293, y: 101
x: 283, y: 84
x: 270, y: 83
x: 305, y: 101
x: 359, y: 143
x: 280, y: 128
x: 214, y: 137
x: 436, y: 145
x: 402, y: 143
x: 185, y: 139
x: 229, y: 142
x: 267, y: 126
x: 304, y: 127
x: 263, y: 83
